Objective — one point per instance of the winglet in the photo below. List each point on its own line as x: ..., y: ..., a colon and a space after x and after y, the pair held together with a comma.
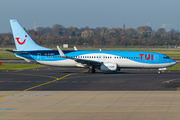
x: 75, y: 48
x: 61, y: 52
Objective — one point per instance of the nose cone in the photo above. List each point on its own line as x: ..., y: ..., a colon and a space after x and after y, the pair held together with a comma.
x: 173, y: 62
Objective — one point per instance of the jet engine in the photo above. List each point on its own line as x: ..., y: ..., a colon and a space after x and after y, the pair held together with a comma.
x: 109, y: 67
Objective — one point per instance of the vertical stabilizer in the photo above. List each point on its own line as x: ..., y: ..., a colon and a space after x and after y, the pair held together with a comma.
x: 22, y: 40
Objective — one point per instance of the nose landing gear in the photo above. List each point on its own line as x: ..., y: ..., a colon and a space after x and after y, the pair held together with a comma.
x: 160, y: 70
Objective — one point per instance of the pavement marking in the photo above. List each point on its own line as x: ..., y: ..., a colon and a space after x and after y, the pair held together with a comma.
x: 18, y: 70
x: 84, y: 71
x: 36, y: 75
x: 30, y: 95
x: 109, y: 114
x: 48, y: 82
x: 72, y: 114
x: 178, y: 88
x: 8, y: 108
x: 122, y: 108
x: 95, y: 75
x: 170, y: 80
x: 56, y: 79
x: 146, y: 114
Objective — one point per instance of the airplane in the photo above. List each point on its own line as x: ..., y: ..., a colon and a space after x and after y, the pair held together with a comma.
x: 112, y: 61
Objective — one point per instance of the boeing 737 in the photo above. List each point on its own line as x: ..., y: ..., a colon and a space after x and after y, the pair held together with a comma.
x: 28, y: 50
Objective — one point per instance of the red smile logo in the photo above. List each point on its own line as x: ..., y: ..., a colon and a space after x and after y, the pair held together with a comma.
x: 21, y: 43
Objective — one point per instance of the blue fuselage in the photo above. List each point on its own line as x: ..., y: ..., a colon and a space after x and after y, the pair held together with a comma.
x: 134, y: 59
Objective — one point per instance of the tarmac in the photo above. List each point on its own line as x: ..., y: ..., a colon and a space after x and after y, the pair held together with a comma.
x: 53, y: 93
x: 71, y: 79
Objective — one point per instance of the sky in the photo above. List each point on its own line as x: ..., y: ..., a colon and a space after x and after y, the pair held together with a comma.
x: 92, y: 13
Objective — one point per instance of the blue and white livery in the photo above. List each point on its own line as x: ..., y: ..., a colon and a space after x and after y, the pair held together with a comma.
x: 28, y: 50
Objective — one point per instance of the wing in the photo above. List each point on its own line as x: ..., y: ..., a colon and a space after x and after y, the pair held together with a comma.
x: 88, y: 62
x: 83, y: 61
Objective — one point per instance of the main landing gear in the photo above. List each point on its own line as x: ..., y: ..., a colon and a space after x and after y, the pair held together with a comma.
x: 91, y: 70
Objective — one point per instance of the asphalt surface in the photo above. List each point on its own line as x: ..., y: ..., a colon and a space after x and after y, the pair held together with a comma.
x: 68, y: 93
x: 74, y: 79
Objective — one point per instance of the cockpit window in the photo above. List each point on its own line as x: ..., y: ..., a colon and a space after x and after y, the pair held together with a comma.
x: 166, y: 57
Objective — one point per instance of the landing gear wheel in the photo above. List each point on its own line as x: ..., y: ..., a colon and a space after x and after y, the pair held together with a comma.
x: 91, y: 70
x: 159, y: 72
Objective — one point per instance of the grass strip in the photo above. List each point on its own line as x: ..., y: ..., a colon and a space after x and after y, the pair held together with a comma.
x: 175, y: 67
x: 14, y: 66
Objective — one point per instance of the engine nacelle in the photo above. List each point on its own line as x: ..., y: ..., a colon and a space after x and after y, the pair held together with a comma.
x: 109, y: 67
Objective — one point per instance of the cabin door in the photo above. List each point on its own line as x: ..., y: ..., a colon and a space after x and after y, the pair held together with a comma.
x: 156, y: 58
x: 39, y: 57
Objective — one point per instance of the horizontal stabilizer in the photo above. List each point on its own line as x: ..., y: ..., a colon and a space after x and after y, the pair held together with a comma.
x: 13, y: 51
